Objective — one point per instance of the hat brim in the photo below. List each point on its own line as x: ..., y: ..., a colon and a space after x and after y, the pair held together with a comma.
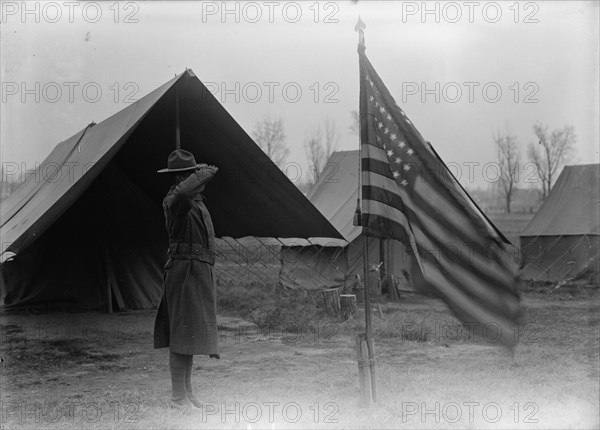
x: 183, y: 169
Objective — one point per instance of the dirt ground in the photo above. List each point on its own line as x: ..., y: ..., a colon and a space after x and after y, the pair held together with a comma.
x: 96, y: 370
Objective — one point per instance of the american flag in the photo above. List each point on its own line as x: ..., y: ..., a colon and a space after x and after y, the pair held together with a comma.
x: 409, y: 194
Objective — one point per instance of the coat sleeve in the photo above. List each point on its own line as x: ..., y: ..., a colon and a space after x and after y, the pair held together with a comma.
x: 184, y: 193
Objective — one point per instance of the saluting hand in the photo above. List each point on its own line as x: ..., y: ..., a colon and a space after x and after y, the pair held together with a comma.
x: 206, y: 172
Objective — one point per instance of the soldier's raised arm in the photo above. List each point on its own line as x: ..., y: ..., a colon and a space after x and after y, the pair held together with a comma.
x: 195, y: 183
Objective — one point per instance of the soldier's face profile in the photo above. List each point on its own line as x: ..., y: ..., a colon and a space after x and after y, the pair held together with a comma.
x: 181, y: 176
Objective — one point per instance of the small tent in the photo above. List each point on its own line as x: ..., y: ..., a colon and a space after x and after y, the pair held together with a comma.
x: 91, y: 215
x: 328, y: 263
x: 562, y: 240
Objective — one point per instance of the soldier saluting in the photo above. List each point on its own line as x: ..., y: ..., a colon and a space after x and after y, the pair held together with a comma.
x: 186, y: 321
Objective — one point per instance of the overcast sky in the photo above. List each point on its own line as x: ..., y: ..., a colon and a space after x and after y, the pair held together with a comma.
x: 514, y: 64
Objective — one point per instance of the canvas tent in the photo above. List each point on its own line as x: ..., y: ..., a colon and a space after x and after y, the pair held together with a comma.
x: 91, y: 214
x: 562, y: 240
x: 326, y: 263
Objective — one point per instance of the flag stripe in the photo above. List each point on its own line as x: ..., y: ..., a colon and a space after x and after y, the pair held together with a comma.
x: 456, y: 221
x: 472, y: 281
x: 396, y: 200
x: 443, y: 282
x: 381, y: 209
x: 374, y: 224
x: 483, y: 268
x: 376, y: 166
x: 482, y: 254
x: 480, y: 240
x: 377, y: 180
x: 374, y: 152
x: 382, y: 167
x: 454, y: 212
x: 377, y: 184
x: 431, y: 263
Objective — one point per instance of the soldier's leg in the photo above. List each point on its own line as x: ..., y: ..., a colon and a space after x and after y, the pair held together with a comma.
x: 177, y: 366
x: 188, y: 383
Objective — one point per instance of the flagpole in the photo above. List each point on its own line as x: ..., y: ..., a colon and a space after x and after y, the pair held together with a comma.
x: 368, y: 384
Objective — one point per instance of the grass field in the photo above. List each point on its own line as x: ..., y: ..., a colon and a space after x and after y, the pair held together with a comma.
x: 299, y: 369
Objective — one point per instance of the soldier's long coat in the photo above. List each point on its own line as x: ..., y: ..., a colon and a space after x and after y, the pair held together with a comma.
x: 186, y: 320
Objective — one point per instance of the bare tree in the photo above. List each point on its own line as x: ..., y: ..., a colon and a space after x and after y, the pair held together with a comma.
x: 319, y: 144
x: 330, y: 136
x: 313, y: 147
x: 270, y: 137
x: 552, y: 151
x: 507, y: 151
x: 355, y: 125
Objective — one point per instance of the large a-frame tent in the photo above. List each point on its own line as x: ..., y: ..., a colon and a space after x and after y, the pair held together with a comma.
x: 327, y: 263
x: 562, y: 240
x: 91, y: 215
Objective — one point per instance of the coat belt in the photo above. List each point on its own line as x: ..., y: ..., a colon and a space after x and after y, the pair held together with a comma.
x: 191, y: 251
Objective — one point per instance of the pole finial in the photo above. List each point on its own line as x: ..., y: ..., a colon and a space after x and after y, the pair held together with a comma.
x: 359, y: 27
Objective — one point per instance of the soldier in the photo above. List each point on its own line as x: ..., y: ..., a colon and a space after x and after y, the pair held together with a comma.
x: 186, y: 321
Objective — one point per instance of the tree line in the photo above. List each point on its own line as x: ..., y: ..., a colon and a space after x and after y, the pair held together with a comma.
x: 551, y: 151
x: 548, y: 155
x: 320, y: 141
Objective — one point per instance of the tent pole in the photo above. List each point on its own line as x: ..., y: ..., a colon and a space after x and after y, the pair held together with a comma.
x: 108, y: 281
x: 177, y: 128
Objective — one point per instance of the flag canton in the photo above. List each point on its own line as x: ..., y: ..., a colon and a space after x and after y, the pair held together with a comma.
x: 385, y: 133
